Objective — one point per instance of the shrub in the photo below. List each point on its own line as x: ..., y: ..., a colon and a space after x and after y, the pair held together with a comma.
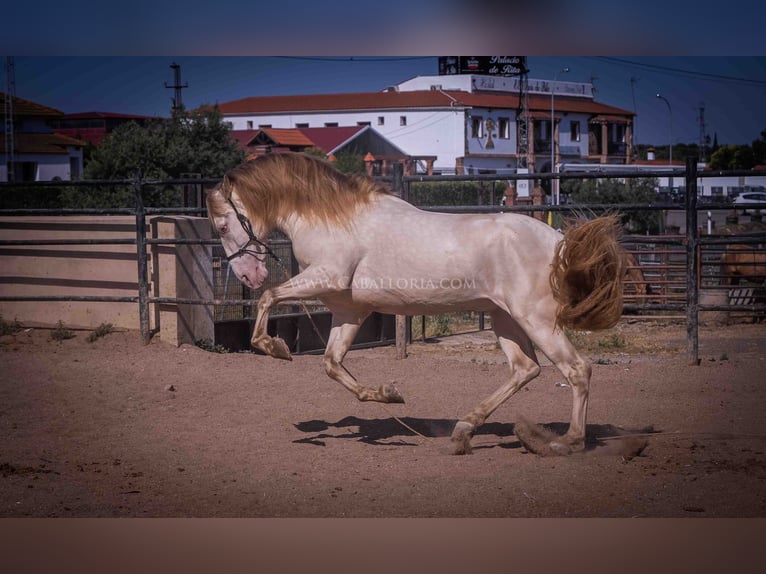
x: 101, y: 331
x: 61, y: 333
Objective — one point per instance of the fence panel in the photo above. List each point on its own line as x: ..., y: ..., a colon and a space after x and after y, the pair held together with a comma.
x: 673, y: 267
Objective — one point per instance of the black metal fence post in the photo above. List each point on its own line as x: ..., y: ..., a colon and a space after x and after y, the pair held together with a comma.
x: 692, y: 263
x: 143, y: 267
x: 398, y: 188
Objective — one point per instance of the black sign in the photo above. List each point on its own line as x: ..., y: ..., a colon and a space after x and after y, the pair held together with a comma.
x: 484, y: 65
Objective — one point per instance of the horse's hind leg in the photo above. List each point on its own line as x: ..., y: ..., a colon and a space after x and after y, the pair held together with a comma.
x: 345, y: 326
x: 524, y: 367
x: 577, y: 371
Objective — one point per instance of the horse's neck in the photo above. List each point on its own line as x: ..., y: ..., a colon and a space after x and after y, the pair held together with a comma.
x: 292, y: 226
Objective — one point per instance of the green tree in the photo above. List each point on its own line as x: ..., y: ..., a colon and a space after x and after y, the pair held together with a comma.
x: 759, y: 150
x: 189, y: 142
x: 733, y: 157
x: 350, y: 163
x: 611, y: 191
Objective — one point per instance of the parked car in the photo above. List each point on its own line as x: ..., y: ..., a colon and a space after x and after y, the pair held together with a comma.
x: 753, y: 197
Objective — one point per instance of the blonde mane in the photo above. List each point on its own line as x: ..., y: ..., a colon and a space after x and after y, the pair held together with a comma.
x: 273, y: 186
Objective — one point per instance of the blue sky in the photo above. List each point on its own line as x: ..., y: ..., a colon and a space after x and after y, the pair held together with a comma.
x: 732, y: 89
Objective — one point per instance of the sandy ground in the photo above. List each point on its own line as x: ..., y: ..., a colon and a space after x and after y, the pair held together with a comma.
x: 113, y: 428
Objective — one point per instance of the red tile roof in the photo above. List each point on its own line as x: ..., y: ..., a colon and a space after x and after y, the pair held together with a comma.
x: 329, y: 139
x: 243, y: 137
x: 43, y: 143
x: 26, y: 108
x: 407, y: 100
x: 287, y: 136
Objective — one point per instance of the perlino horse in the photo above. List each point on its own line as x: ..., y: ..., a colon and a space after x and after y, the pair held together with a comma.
x: 362, y: 249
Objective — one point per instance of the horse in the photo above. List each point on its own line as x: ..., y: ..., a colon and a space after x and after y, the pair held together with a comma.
x: 740, y: 261
x: 634, y: 280
x: 360, y: 249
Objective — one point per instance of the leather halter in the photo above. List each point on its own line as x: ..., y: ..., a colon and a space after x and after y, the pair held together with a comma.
x: 253, y: 239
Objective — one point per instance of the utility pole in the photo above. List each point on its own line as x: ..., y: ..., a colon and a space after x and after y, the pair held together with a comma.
x: 633, y: 81
x: 703, y: 136
x: 10, y: 139
x: 177, y: 87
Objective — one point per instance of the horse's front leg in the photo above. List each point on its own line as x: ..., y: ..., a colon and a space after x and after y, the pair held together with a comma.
x: 309, y: 284
x: 345, y: 326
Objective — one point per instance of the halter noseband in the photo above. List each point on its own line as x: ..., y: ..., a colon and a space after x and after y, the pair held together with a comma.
x: 248, y: 227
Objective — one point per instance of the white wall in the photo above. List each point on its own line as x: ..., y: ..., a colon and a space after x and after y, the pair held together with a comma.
x: 49, y: 166
x: 436, y: 132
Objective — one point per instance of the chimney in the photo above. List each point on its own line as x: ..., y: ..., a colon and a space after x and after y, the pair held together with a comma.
x: 650, y: 154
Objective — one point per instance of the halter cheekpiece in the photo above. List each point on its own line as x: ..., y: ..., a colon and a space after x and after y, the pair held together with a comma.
x: 253, y: 239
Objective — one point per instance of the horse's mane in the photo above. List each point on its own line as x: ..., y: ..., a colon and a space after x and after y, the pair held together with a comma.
x: 273, y: 186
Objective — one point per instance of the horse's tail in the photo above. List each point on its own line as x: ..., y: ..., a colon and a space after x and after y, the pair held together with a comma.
x: 586, y: 275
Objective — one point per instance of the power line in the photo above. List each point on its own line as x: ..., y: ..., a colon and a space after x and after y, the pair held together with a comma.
x: 355, y: 59
x: 668, y: 69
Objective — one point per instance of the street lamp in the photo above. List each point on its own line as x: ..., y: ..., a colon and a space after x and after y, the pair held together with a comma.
x: 555, y: 197
x: 670, y: 161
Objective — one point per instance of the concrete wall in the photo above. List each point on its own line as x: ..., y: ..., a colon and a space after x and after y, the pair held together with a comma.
x: 183, y: 271
x: 106, y: 270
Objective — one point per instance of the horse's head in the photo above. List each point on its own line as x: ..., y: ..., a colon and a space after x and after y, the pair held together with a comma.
x: 245, y: 250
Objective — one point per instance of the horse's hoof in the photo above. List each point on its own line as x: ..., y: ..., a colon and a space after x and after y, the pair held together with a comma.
x: 461, y: 438
x: 279, y: 350
x: 559, y: 449
x: 390, y: 394
x: 274, y: 347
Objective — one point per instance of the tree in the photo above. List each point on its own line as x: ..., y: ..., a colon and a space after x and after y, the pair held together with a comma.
x: 611, y: 191
x: 189, y: 142
x: 347, y: 162
x: 733, y: 157
x: 759, y: 150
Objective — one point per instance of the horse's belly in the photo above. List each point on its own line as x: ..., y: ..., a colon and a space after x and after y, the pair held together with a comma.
x: 418, y: 296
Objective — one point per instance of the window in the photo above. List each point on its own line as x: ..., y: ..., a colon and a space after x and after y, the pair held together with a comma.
x: 381, y: 120
x: 574, y: 131
x: 262, y: 126
x: 477, y: 126
x: 331, y: 124
x: 249, y: 124
x: 402, y: 120
x: 363, y: 123
x: 301, y: 125
x: 504, y: 128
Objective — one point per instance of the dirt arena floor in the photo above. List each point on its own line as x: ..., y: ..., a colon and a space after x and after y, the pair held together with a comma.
x: 112, y: 428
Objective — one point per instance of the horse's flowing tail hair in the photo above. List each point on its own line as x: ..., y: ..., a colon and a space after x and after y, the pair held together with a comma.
x: 586, y: 275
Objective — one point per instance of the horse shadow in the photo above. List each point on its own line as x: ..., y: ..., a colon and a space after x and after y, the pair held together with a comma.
x: 391, y: 431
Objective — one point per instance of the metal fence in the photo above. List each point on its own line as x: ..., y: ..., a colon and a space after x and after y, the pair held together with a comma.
x: 675, y: 266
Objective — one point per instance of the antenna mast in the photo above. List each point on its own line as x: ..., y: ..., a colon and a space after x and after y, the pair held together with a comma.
x: 177, y: 87
x: 523, y: 120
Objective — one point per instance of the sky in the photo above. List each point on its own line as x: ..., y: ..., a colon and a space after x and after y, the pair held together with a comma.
x: 732, y: 90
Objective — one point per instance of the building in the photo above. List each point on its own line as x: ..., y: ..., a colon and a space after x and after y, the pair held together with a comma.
x: 379, y: 154
x: 92, y: 127
x: 463, y: 123
x: 37, y: 153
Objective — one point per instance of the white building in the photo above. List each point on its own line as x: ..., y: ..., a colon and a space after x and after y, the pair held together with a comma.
x: 468, y: 123
x: 38, y: 154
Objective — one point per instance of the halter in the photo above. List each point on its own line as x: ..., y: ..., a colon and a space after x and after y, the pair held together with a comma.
x: 248, y: 227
